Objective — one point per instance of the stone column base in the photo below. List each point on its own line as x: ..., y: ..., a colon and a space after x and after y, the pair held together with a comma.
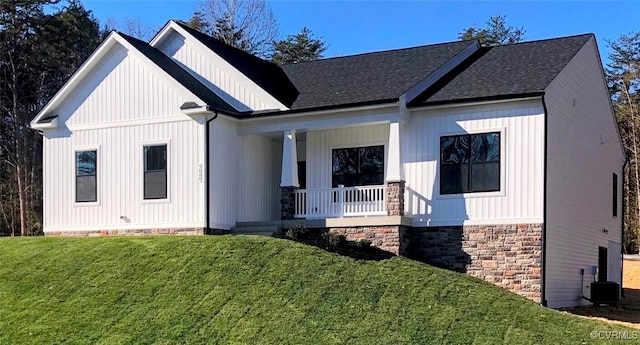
x: 395, y: 198
x: 287, y: 202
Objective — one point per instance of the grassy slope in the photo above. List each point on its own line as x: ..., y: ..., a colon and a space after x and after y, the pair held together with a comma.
x: 252, y: 290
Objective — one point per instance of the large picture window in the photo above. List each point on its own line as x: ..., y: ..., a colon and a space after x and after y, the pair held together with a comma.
x: 470, y: 163
x: 155, y: 172
x: 358, y: 166
x: 86, y: 176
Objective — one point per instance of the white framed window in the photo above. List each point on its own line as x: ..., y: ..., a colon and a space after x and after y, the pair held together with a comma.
x: 86, y: 182
x: 155, y: 171
x: 357, y: 166
x: 472, y: 163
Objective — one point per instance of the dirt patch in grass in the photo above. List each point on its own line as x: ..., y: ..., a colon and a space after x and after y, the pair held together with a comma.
x: 627, y: 313
x: 631, y: 278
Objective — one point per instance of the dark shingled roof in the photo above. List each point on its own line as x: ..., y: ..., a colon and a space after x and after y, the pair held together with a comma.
x: 267, y: 75
x: 366, y: 78
x: 507, y: 71
x: 181, y: 75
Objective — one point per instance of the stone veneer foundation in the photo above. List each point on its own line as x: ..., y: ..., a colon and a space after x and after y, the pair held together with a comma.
x: 391, y: 238
x: 132, y: 232
x: 509, y: 255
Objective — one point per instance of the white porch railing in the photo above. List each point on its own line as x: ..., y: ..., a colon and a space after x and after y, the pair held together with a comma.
x: 341, y: 202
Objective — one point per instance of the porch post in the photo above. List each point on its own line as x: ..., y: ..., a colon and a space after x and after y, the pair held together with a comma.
x: 289, y: 178
x: 395, y: 171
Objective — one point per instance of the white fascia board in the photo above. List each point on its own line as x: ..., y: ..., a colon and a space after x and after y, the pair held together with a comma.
x: 314, y: 113
x: 162, y: 33
x: 321, y: 120
x: 77, y: 77
x: 473, y: 103
x: 48, y: 125
x: 172, y: 25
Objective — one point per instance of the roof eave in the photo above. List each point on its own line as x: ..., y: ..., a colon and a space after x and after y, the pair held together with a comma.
x: 474, y: 100
x: 345, y: 106
x: 42, y: 125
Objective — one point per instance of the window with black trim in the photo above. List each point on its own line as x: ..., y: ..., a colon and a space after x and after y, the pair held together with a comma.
x: 358, y: 166
x: 155, y: 172
x: 615, y: 195
x: 86, y: 176
x: 470, y: 163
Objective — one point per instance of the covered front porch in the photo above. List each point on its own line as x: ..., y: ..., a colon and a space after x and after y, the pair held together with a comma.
x: 342, y: 172
x: 357, y: 201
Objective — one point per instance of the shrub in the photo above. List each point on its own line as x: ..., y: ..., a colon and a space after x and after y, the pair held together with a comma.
x: 334, y: 241
x: 364, y: 243
x: 297, y: 232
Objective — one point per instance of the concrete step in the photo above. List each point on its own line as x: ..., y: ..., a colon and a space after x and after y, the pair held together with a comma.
x: 264, y: 230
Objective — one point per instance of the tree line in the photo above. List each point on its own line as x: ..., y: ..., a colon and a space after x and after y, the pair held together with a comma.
x: 43, y: 42
x: 39, y: 51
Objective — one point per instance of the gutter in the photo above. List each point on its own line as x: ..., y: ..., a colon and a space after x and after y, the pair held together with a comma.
x: 193, y: 109
x: 543, y: 273
x: 207, y: 160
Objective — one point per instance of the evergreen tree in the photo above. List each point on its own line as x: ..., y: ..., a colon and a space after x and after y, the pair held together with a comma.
x: 298, y: 48
x: 198, y: 22
x: 495, y: 33
x: 227, y: 31
x: 38, y: 53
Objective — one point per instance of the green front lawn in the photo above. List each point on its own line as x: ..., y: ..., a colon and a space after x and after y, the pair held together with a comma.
x: 253, y: 290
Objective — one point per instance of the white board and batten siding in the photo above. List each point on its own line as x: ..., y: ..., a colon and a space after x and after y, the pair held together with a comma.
x: 520, y: 199
x: 320, y: 143
x: 583, y: 153
x: 215, y: 72
x: 244, y: 176
x: 122, y: 88
x: 122, y: 106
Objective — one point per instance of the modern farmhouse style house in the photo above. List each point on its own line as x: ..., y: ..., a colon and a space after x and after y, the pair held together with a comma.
x: 501, y: 162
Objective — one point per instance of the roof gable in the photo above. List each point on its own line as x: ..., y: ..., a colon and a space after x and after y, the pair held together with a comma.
x: 366, y: 78
x: 181, y: 75
x: 267, y: 75
x: 508, y: 71
x: 165, y: 64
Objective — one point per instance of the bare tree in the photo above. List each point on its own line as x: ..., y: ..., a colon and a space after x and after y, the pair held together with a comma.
x: 131, y: 26
x: 623, y: 74
x: 246, y: 24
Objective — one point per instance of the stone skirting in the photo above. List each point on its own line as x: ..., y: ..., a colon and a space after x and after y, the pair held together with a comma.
x: 509, y: 255
x: 287, y: 202
x: 391, y: 238
x: 130, y: 232
x: 395, y: 198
